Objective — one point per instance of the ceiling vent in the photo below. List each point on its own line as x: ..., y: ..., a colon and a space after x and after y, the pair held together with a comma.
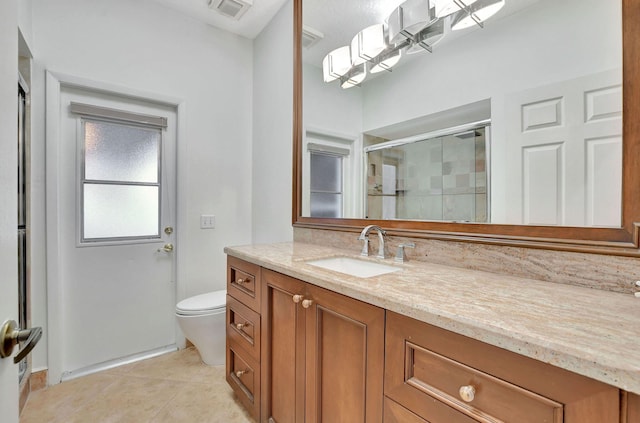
x: 231, y: 8
x: 310, y: 36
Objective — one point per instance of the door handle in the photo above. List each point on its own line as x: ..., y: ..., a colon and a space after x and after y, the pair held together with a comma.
x: 10, y: 336
x: 166, y: 248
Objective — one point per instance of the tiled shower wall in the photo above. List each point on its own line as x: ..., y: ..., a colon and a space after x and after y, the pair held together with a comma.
x: 443, y: 178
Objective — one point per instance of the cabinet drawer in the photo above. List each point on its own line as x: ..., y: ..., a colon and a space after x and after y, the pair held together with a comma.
x: 433, y: 380
x: 474, y: 392
x: 439, y: 412
x: 243, y: 374
x: 425, y: 367
x: 243, y: 327
x: 243, y: 282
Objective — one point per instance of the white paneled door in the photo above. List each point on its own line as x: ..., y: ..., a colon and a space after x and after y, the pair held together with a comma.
x: 9, y: 203
x: 115, y: 278
x: 564, y: 150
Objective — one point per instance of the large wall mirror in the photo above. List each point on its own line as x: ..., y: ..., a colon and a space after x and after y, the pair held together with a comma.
x: 501, y: 121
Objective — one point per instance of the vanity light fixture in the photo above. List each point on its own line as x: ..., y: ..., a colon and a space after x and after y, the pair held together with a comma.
x: 354, y: 77
x: 479, y: 12
x: 336, y: 64
x: 414, y: 26
x: 409, y: 18
x: 386, y: 60
x: 427, y: 38
x: 447, y: 7
x: 368, y: 43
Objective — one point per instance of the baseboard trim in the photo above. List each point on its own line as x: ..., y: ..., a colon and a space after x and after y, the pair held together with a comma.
x: 70, y: 375
x: 38, y: 380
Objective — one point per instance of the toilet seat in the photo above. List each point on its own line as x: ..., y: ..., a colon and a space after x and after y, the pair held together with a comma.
x: 203, y: 304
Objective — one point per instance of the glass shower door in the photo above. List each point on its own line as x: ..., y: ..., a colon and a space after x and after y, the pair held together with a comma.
x: 441, y: 178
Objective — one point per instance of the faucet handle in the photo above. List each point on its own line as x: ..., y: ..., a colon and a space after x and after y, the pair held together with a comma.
x: 400, y: 255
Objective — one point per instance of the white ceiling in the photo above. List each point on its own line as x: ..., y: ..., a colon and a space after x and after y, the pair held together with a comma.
x: 249, y: 25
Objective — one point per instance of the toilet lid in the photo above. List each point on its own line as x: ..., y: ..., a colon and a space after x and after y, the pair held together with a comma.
x: 204, y: 302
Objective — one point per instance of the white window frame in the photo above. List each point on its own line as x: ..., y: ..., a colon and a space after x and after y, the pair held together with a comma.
x: 314, y: 140
x: 120, y: 118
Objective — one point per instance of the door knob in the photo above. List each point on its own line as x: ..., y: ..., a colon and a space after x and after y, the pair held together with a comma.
x: 10, y: 336
x: 166, y: 248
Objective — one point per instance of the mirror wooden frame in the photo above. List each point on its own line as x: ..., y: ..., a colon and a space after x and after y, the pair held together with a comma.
x: 622, y: 241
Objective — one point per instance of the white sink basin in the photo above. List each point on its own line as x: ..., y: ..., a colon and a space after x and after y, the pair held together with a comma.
x: 354, y: 267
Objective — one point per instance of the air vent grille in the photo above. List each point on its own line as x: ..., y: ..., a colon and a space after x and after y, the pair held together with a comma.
x: 310, y: 36
x: 231, y: 8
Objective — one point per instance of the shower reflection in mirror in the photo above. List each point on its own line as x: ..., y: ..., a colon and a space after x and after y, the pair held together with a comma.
x: 441, y: 175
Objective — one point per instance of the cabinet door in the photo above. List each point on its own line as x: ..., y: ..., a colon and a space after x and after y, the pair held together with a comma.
x: 633, y: 408
x: 345, y: 356
x: 283, y: 349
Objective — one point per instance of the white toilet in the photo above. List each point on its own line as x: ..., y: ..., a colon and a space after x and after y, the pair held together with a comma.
x: 202, y: 320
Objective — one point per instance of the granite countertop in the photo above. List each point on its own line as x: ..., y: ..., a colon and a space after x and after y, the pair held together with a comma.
x: 587, y: 331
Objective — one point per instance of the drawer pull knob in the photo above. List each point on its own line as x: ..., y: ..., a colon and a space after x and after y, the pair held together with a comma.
x: 297, y: 298
x: 307, y: 303
x: 239, y: 373
x: 467, y: 393
x: 239, y: 326
x: 240, y: 281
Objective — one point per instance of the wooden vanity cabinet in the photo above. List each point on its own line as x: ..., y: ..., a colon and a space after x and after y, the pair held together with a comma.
x: 322, y: 354
x: 300, y: 353
x: 631, y: 409
x: 441, y: 377
x: 243, y: 331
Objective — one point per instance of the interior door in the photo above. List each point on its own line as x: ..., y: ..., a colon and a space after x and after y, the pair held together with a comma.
x: 117, y: 211
x: 8, y: 205
x: 564, y: 150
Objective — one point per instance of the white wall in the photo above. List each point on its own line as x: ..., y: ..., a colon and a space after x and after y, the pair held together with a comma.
x: 142, y: 45
x: 328, y: 107
x: 272, y: 134
x: 25, y: 20
x: 547, y: 42
x: 334, y: 112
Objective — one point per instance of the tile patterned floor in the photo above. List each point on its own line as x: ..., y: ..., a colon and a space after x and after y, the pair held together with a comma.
x: 174, y: 387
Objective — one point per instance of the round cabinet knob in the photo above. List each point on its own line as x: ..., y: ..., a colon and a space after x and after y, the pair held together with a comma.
x: 467, y: 393
x: 239, y: 373
x: 239, y: 326
x: 307, y: 303
x: 240, y: 281
x: 297, y: 298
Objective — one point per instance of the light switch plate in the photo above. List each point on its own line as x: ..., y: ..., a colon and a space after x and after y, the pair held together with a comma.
x: 207, y: 221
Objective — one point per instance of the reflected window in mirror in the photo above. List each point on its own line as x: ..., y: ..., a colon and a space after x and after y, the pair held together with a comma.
x: 326, y: 184
x: 331, y: 168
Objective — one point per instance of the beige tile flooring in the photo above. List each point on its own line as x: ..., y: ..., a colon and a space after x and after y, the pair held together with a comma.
x: 175, y: 387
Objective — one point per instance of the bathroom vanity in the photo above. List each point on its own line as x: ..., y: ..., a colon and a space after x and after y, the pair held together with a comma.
x: 423, y: 343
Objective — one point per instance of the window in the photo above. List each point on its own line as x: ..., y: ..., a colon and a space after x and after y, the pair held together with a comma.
x: 120, y: 184
x: 326, y: 184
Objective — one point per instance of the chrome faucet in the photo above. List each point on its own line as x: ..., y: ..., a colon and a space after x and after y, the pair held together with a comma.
x: 364, y: 236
